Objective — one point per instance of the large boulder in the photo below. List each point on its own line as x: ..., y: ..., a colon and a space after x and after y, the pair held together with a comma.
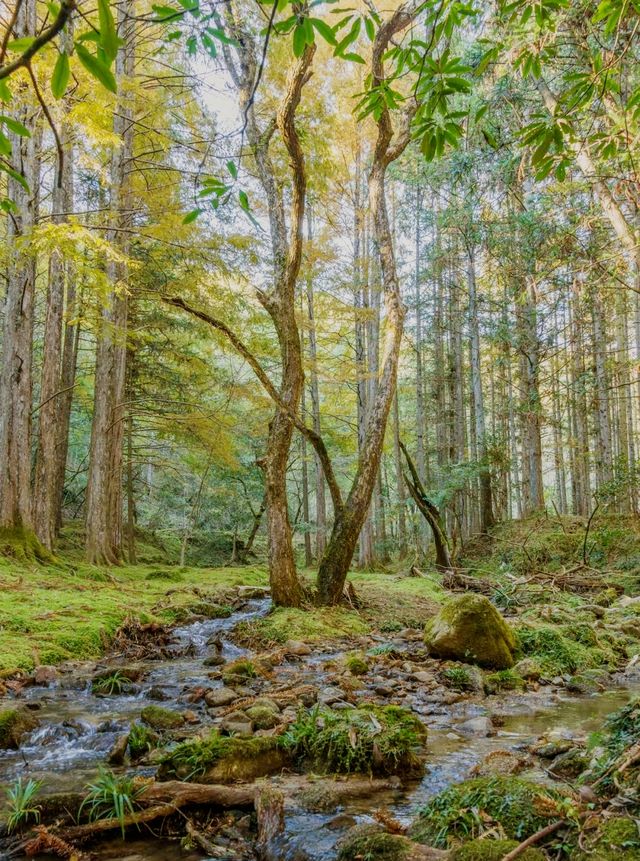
x: 14, y: 723
x: 469, y: 628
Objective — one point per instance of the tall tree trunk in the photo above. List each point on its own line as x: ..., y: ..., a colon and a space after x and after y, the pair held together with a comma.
x: 348, y: 522
x: 16, y: 514
x: 104, y: 482
x: 402, y: 524
x: 47, y: 471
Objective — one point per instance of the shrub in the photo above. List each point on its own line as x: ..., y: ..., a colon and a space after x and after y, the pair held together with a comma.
x: 114, y: 683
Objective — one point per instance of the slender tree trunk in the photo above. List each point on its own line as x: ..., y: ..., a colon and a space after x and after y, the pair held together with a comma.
x: 486, y: 504
x: 314, y: 390
x: 402, y: 524
x: 47, y: 469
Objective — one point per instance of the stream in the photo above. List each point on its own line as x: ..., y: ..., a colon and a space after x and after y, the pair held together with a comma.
x: 78, y: 729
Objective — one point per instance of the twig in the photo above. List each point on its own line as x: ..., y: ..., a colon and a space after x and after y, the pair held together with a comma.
x: 535, y: 838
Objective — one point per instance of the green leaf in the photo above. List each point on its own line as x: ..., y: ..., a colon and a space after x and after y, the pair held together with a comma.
x: 191, y: 216
x: 166, y: 13
x: 369, y: 26
x: 21, y: 45
x: 244, y: 201
x: 233, y: 169
x: 97, y: 68
x: 15, y: 175
x: 108, y: 34
x: 16, y: 127
x: 5, y: 92
x: 325, y: 30
x: 299, y: 40
x: 354, y: 58
x: 5, y: 145
x: 60, y: 77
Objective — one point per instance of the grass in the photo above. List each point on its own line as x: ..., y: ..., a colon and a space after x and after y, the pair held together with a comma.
x: 111, y: 797
x: 313, y: 625
x: 21, y: 805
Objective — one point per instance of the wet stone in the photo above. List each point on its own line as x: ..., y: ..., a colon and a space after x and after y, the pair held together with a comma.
x: 45, y: 675
x: 220, y: 697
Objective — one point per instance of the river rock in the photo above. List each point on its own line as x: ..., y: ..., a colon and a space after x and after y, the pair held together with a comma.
x: 504, y: 762
x: 246, y: 592
x: 330, y: 695
x: 263, y: 718
x: 118, y: 751
x: 158, y: 693
x: 220, y: 697
x: 14, y: 723
x: 481, y: 727
x: 160, y: 718
x: 529, y: 669
x: 569, y: 764
x: 296, y: 647
x: 237, y: 724
x: 470, y: 629
x: 215, y: 660
x: 45, y: 675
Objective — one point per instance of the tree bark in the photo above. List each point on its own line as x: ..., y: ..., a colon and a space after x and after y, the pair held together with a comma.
x: 104, y: 482
x: 16, y: 513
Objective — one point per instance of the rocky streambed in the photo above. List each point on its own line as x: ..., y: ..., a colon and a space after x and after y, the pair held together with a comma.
x: 79, y: 718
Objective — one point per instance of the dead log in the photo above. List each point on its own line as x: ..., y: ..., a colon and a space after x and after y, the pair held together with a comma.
x: 270, y: 814
x: 455, y: 581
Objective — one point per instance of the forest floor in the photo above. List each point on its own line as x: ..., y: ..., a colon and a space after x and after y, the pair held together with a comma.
x: 188, y: 675
x: 71, y: 610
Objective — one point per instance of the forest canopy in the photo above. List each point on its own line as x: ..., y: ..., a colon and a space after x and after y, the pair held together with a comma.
x: 344, y: 283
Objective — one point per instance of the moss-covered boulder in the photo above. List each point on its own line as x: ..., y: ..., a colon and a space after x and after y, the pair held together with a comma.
x: 160, y: 718
x: 262, y: 717
x: 222, y: 759
x: 465, y: 810
x: 14, y: 723
x: 616, y: 837
x: 492, y: 850
x: 469, y: 628
x: 373, y: 843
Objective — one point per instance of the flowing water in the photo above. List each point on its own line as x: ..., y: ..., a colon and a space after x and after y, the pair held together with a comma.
x: 78, y: 729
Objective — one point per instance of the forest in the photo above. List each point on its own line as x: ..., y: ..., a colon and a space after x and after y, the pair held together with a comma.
x: 320, y: 430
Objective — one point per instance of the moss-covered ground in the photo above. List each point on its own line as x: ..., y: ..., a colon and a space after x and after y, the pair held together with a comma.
x: 64, y: 610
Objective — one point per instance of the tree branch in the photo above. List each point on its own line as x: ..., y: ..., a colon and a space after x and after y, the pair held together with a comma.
x: 315, y: 439
x: 66, y: 8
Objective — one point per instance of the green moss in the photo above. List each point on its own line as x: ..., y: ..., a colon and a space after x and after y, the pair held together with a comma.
x: 369, y: 739
x: 172, y: 575
x: 263, y: 717
x: 22, y: 545
x: 372, y: 843
x: 238, y: 671
x: 14, y: 723
x: 615, y: 837
x: 312, y: 625
x: 557, y: 652
x: 460, y: 812
x: 357, y: 664
x: 218, y: 758
x: 54, y: 613
x: 504, y: 680
x: 469, y: 628
x: 160, y: 718
x: 493, y: 850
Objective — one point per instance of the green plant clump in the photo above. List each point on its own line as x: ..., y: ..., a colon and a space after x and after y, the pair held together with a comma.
x: 615, y: 837
x: 556, y: 653
x: 223, y: 758
x: 370, y: 739
x: 20, y: 803
x: 621, y: 731
x: 141, y: 740
x: 114, y: 683
x: 238, y: 671
x: 461, y: 812
x: 458, y: 678
x: 356, y: 664
x: 504, y: 680
x: 111, y: 797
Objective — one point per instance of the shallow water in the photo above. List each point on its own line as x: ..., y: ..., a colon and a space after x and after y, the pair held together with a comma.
x: 78, y: 729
